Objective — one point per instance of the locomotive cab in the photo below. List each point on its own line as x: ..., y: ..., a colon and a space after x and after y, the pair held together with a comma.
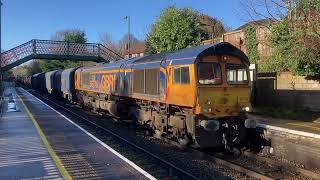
x: 222, y: 86
x: 222, y: 99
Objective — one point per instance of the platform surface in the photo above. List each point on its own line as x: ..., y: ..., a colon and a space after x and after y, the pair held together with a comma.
x: 22, y: 152
x: 310, y: 129
x: 83, y: 156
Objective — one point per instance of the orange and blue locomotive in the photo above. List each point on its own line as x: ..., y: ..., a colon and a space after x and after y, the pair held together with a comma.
x: 197, y: 96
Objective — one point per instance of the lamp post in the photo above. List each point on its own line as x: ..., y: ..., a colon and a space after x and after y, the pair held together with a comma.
x: 128, y: 18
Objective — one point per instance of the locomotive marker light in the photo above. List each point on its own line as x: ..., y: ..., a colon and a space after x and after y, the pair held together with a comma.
x: 225, y: 58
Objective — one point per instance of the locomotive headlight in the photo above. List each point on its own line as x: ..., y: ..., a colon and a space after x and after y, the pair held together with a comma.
x: 246, y: 109
x: 207, y: 109
x: 250, y: 123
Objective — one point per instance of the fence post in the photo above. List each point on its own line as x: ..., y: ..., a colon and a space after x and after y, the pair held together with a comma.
x: 68, y: 49
x: 34, y: 46
x: 1, y: 88
x: 99, y: 48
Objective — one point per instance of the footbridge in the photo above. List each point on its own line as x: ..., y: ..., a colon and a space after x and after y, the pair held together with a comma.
x: 56, y: 50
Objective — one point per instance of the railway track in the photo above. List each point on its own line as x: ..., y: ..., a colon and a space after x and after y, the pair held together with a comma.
x: 168, y: 170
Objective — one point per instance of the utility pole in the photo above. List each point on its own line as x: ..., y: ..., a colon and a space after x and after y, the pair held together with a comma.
x: 128, y: 18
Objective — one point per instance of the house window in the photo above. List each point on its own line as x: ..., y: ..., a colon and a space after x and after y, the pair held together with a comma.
x: 181, y: 75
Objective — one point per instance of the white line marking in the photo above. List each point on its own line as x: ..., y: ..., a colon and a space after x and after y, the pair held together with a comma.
x: 290, y: 131
x: 99, y: 141
x: 10, y: 163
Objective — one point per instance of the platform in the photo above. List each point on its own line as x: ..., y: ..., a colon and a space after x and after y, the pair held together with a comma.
x: 77, y: 152
x: 297, y: 127
x: 293, y: 140
x: 23, y: 154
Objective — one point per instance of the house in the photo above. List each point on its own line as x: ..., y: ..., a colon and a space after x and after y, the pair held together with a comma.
x: 237, y: 37
x: 136, y: 50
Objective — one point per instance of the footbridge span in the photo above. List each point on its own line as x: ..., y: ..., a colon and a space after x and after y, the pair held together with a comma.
x: 56, y: 50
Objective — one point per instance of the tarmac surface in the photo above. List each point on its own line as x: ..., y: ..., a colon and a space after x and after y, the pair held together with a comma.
x: 40, y: 143
x: 23, y: 155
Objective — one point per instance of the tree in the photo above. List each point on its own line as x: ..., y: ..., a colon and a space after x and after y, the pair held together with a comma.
x: 124, y: 40
x: 296, y: 40
x: 273, y: 10
x: 107, y: 40
x: 149, y: 48
x: 252, y: 44
x: 72, y: 36
x: 175, y: 29
x: 123, y: 43
x: 212, y: 27
x: 27, y: 69
x: 119, y: 47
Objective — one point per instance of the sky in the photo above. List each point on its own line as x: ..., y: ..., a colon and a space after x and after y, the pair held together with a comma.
x: 23, y: 20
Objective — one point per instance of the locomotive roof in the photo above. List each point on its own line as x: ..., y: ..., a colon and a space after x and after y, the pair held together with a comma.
x: 189, y: 55
x: 184, y: 56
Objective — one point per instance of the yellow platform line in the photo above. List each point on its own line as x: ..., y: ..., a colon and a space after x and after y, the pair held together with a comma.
x: 54, y: 156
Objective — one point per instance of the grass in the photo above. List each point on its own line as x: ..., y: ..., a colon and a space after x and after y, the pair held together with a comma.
x: 287, y: 113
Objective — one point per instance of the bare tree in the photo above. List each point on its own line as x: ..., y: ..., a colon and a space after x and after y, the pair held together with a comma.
x: 274, y: 10
x: 212, y: 27
x: 118, y: 47
x: 107, y: 40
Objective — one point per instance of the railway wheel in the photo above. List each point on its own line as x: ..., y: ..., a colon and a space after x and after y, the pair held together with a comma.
x: 184, y: 141
x: 158, y: 134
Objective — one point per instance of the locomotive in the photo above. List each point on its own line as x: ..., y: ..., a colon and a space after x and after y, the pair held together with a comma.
x: 197, y: 96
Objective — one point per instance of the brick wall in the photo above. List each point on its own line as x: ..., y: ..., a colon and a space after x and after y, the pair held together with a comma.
x: 286, y: 90
x: 238, y: 39
x: 286, y: 80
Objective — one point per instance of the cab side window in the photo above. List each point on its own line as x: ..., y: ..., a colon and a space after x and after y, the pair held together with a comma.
x: 181, y: 75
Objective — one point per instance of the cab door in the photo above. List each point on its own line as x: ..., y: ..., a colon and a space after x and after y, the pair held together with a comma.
x: 122, y: 86
x: 162, y: 80
x: 181, y: 85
